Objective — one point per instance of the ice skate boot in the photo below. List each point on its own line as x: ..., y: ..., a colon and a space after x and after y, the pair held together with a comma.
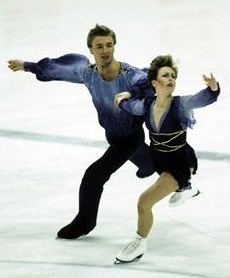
x: 179, y: 197
x: 133, y: 251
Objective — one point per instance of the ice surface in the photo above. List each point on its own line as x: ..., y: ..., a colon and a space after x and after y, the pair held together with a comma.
x: 49, y: 134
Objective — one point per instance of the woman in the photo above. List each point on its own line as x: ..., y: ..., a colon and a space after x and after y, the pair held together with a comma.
x: 167, y: 119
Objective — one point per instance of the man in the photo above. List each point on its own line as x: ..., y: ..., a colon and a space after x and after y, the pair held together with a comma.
x: 124, y: 132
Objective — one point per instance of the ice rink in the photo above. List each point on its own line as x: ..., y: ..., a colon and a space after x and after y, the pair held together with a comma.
x: 49, y: 135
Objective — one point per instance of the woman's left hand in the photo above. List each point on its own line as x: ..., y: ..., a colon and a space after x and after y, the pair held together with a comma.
x: 211, y: 82
x: 119, y: 97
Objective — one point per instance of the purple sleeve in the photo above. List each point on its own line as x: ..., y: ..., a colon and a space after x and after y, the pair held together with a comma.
x: 137, y: 79
x: 133, y: 106
x: 201, y: 99
x: 70, y: 67
x: 188, y: 103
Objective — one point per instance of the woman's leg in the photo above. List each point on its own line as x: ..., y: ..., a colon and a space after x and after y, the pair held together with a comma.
x: 164, y: 185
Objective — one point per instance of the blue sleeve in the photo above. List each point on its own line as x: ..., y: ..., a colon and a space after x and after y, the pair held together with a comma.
x: 201, y: 99
x: 133, y: 106
x: 70, y: 67
x: 139, y: 88
x: 188, y: 103
x: 139, y: 84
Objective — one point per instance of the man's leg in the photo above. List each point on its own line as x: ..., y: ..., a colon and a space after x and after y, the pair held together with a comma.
x: 92, y: 186
x: 142, y: 158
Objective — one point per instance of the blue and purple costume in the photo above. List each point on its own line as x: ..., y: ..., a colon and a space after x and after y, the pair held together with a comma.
x: 171, y: 152
x: 124, y: 132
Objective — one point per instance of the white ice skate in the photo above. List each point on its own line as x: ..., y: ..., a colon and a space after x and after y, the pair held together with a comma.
x: 180, y: 197
x: 133, y: 251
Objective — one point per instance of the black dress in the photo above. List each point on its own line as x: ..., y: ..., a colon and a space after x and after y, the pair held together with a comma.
x: 171, y: 152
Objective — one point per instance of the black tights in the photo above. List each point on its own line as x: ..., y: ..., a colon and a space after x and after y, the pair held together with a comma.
x: 98, y: 173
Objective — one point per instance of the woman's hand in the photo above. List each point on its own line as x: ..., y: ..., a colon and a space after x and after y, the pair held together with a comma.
x: 16, y: 65
x: 119, y: 97
x: 211, y: 82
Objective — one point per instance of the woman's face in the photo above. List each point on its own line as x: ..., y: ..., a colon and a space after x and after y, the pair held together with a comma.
x: 165, y: 82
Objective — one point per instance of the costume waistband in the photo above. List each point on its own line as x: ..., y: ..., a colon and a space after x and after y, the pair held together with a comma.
x: 168, y: 142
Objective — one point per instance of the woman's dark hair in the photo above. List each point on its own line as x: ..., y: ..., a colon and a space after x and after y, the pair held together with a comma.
x: 100, y: 30
x: 160, y: 62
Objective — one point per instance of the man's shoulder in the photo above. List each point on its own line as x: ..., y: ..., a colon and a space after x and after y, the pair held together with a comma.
x: 127, y: 68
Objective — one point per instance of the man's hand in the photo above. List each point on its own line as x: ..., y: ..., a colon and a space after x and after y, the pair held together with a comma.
x: 16, y: 65
x: 118, y: 98
x: 211, y: 82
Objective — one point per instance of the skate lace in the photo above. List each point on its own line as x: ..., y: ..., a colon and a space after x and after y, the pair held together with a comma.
x: 175, y: 197
x: 132, y: 246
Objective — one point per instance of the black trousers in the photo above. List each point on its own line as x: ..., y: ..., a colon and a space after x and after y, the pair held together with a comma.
x: 97, y: 174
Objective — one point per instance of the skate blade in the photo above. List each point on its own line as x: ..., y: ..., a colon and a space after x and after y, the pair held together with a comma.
x: 119, y: 262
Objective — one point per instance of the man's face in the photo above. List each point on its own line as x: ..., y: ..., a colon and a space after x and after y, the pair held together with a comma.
x: 102, y: 49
